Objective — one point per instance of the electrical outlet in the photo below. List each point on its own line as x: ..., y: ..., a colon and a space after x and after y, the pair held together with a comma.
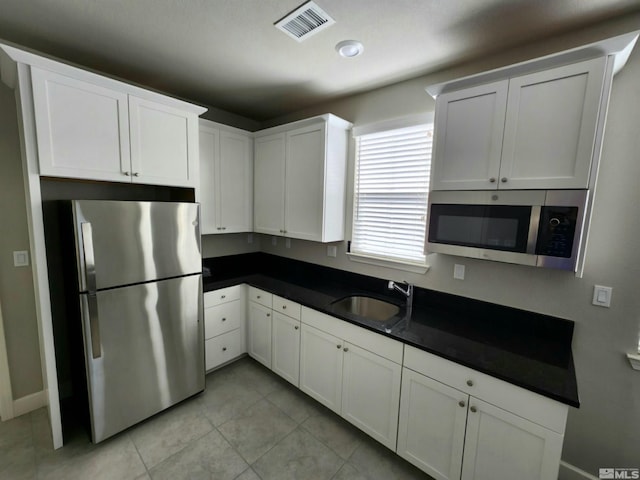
x: 458, y: 272
x: 332, y: 251
x: 602, y: 296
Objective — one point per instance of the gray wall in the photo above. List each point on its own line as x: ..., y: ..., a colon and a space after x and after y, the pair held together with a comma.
x: 16, y: 284
x: 603, y: 432
x: 230, y: 244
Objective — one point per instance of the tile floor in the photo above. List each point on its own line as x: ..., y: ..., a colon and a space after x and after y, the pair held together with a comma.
x: 249, y: 424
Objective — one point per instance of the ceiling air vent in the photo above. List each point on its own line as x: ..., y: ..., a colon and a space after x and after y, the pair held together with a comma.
x: 305, y: 21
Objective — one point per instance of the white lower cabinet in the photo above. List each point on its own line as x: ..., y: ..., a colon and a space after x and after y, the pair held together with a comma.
x: 338, y: 367
x: 371, y: 393
x: 448, y: 431
x: 274, y: 333
x: 432, y: 423
x: 321, y: 367
x: 285, y: 347
x: 259, y: 338
x: 500, y: 445
x: 224, y: 325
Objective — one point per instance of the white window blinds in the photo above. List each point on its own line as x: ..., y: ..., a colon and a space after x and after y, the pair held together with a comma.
x: 390, y: 194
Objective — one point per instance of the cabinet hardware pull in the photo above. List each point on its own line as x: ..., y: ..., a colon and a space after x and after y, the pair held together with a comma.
x: 296, y: 327
x: 345, y: 349
x: 268, y: 314
x: 470, y: 383
x: 503, y: 179
x: 338, y: 346
x: 461, y: 403
x: 492, y: 179
x: 258, y: 297
x: 224, y: 349
x: 219, y: 228
x: 224, y: 228
x: 284, y: 307
x: 224, y: 319
x: 473, y: 409
x: 136, y: 174
x: 223, y: 296
x: 126, y: 173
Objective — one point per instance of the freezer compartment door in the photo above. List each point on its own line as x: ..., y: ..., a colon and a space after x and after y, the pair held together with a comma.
x: 135, y: 242
x: 151, y: 350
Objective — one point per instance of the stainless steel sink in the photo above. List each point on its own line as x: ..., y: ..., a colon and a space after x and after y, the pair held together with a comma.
x: 367, y: 307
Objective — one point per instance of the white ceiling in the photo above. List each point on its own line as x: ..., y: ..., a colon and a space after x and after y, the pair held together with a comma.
x: 227, y: 53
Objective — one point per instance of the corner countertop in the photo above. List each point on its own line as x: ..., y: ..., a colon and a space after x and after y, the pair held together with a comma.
x: 530, y: 350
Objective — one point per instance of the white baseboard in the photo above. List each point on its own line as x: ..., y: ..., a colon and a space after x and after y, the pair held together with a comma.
x: 569, y: 472
x: 29, y: 403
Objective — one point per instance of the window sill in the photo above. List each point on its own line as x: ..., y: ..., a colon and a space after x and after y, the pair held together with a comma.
x: 383, y: 262
x: 634, y: 360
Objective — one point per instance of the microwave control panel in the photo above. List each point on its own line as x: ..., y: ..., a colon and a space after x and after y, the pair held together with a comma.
x: 557, y: 231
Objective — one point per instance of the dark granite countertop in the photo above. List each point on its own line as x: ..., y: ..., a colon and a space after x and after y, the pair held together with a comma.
x: 526, y: 349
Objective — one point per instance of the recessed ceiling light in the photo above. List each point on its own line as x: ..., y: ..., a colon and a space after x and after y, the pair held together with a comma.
x: 349, y: 48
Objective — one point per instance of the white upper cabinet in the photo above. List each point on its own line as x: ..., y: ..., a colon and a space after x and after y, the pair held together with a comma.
x: 226, y: 179
x: 74, y: 118
x: 269, y: 180
x: 550, y: 127
x: 300, y: 179
x: 533, y: 131
x: 95, y: 128
x: 468, y: 137
x: 162, y: 143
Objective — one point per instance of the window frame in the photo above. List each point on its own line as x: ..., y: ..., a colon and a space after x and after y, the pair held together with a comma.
x: 379, y: 127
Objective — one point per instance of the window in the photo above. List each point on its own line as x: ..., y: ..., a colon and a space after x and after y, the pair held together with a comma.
x: 390, y: 194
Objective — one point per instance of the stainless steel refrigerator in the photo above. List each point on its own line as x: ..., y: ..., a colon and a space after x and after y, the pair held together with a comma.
x: 140, y: 291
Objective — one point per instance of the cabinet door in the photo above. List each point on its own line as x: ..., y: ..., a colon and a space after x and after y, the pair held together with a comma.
x: 305, y: 182
x: 82, y: 129
x: 551, y: 123
x: 209, y: 158
x: 164, y: 146
x: 235, y: 183
x: 469, y: 128
x: 321, y: 367
x: 371, y: 394
x: 268, y: 205
x: 432, y: 425
x: 502, y: 446
x: 260, y: 333
x: 285, y: 348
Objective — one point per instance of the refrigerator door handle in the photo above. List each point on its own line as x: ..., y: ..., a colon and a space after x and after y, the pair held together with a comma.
x: 90, y: 278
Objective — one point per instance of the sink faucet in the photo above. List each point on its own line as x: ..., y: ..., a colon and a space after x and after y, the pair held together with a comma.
x: 408, y: 292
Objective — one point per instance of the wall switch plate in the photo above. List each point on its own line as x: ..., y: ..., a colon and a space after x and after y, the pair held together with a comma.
x: 250, y: 238
x: 287, y: 243
x: 602, y: 296
x: 21, y: 258
x: 274, y: 241
x: 458, y: 272
x: 332, y: 251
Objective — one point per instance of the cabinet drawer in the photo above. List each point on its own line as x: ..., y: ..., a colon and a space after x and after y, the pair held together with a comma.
x: 222, y: 348
x: 223, y: 295
x: 286, y: 307
x: 260, y: 296
x: 222, y: 318
x: 522, y: 402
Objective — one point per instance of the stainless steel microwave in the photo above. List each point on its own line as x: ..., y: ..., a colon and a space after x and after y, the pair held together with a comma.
x: 530, y: 227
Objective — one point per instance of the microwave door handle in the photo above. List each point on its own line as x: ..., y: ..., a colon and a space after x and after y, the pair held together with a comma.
x: 90, y: 278
x: 534, y: 225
